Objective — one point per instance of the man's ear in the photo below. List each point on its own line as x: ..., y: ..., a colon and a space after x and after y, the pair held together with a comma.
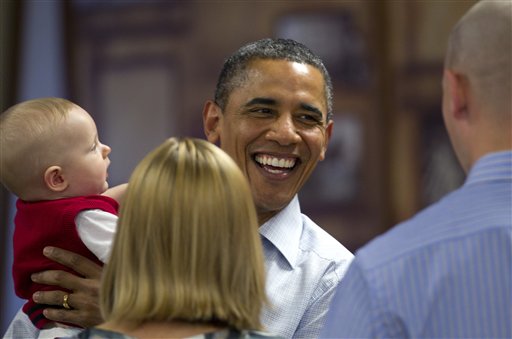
x: 456, y: 88
x: 54, y: 179
x: 328, y: 133
x: 211, y: 118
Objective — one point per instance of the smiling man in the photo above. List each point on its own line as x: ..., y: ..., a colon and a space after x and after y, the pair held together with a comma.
x: 273, y: 114
x: 273, y: 126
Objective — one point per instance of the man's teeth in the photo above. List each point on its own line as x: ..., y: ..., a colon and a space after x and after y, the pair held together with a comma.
x: 275, y: 162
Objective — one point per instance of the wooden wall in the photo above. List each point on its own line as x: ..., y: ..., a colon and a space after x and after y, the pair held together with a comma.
x: 145, y: 69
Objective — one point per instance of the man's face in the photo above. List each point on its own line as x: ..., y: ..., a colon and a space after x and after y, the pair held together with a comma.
x: 274, y: 126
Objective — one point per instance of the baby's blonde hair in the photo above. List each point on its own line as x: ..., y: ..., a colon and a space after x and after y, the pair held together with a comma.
x: 26, y: 132
x: 187, y: 246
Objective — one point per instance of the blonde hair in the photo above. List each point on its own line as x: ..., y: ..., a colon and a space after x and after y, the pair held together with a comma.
x: 26, y: 130
x: 187, y: 245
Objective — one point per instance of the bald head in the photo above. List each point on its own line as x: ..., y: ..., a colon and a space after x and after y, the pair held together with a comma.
x: 480, y: 49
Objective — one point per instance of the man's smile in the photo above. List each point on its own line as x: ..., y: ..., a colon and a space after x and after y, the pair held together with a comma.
x: 275, y: 164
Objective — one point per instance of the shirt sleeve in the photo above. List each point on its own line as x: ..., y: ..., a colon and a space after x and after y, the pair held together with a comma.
x: 97, y: 228
x: 313, y: 319
x: 351, y: 311
x: 21, y: 327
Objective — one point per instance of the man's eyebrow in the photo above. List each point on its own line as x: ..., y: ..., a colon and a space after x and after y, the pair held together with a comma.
x: 273, y: 102
x: 312, y: 109
x: 261, y: 101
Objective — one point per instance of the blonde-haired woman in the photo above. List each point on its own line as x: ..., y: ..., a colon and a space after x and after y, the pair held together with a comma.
x: 187, y: 258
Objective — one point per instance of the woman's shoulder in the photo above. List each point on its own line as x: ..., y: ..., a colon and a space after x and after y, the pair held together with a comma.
x: 96, y: 333
x: 235, y: 334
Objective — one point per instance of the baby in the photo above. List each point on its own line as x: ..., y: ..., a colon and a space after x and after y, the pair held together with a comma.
x: 52, y: 160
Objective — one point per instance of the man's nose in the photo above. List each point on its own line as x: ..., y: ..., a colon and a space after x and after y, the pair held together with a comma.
x: 283, y: 130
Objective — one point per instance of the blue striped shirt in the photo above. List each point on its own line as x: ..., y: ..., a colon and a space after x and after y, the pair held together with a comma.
x: 447, y: 272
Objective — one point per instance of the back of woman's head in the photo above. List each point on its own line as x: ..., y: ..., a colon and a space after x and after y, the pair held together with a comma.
x: 187, y: 245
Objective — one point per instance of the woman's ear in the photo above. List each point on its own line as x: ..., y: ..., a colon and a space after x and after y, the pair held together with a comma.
x: 211, y: 118
x: 54, y: 179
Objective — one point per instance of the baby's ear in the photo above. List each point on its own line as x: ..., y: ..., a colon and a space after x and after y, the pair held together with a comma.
x: 54, y: 179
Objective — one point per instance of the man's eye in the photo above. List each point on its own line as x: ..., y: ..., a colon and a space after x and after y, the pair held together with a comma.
x: 310, y: 119
x: 261, y: 111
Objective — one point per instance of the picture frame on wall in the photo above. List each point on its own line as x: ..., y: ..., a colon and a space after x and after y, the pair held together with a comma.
x: 335, y: 37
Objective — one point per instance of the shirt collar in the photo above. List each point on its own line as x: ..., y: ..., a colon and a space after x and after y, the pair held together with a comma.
x: 284, y: 231
x: 493, y: 166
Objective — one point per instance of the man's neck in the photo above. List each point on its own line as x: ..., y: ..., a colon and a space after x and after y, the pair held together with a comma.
x: 265, y: 216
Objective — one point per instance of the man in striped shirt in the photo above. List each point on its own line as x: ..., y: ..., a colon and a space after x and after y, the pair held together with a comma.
x: 447, y: 272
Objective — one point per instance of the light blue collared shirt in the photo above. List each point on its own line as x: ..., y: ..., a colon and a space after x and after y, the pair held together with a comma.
x: 304, y: 266
x: 447, y: 272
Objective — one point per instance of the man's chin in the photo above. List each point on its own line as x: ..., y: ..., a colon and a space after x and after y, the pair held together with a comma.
x: 269, y: 207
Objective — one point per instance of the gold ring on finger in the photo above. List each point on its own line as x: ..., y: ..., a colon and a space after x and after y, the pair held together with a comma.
x: 65, y: 302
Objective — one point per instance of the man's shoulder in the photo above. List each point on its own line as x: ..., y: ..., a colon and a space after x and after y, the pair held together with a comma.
x: 404, y: 239
x: 316, y: 240
x: 462, y: 215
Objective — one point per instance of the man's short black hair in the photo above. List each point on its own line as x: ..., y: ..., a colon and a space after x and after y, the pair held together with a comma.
x: 233, y: 75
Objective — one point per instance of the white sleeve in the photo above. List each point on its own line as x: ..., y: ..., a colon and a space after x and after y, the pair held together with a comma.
x: 21, y: 327
x: 96, y: 228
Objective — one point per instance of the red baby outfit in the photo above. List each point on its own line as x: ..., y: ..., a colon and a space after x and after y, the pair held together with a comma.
x: 48, y: 223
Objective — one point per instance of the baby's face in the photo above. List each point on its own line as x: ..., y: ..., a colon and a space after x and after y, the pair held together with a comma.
x: 86, y: 159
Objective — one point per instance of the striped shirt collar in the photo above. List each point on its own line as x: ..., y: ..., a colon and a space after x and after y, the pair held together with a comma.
x: 284, y: 231
x: 492, y: 166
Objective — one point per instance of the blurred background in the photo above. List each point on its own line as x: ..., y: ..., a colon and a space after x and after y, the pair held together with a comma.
x: 143, y: 70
